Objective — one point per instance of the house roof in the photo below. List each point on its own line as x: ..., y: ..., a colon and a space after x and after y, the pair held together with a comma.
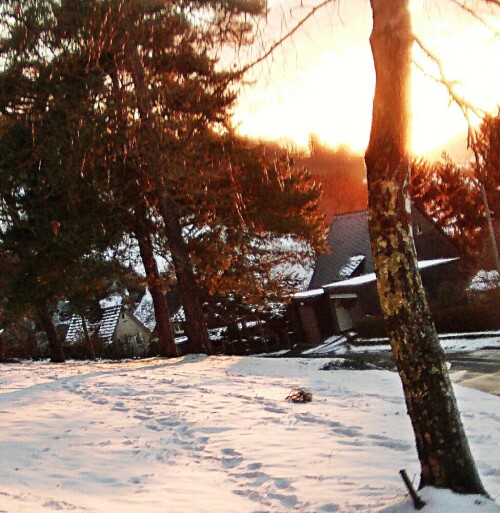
x: 145, y: 312
x: 104, y: 326
x: 107, y: 326
x: 351, y: 256
x: 368, y: 278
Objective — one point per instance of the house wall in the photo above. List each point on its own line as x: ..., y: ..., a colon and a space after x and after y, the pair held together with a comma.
x: 129, y: 330
x: 315, y: 319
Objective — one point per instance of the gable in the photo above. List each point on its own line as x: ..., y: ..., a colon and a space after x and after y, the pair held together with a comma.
x: 347, y: 237
x: 128, y: 325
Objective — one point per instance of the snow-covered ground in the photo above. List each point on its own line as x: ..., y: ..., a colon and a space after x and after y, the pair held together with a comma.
x: 450, y: 342
x: 216, y: 435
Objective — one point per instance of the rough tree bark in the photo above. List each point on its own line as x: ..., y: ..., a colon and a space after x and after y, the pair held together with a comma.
x: 195, y: 325
x: 442, y: 446
x: 162, y: 314
x: 56, y: 351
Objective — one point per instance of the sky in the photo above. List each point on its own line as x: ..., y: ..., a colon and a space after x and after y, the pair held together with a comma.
x: 322, y: 80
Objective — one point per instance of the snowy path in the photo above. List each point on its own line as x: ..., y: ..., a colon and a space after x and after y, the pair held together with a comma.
x: 207, y: 435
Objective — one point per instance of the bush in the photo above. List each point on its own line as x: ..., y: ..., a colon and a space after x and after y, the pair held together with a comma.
x: 370, y: 327
x: 480, y: 315
x: 361, y: 361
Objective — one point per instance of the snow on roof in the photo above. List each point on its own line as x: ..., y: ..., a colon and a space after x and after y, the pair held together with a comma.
x: 113, y: 300
x: 75, y: 330
x: 109, y: 321
x: 145, y: 311
x: 105, y: 326
x: 352, y: 264
x: 179, y: 316
x: 367, y: 278
x: 309, y: 293
x: 485, y: 280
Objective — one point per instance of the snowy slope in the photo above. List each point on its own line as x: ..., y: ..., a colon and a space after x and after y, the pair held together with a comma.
x: 215, y: 435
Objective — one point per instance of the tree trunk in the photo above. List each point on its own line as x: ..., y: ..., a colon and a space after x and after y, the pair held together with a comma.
x: 162, y: 313
x: 3, y: 350
x: 88, y: 341
x: 56, y: 352
x: 442, y: 446
x: 195, y: 325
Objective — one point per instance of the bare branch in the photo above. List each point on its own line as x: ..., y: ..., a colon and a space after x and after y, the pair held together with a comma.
x: 472, y: 12
x: 466, y: 107
x: 287, y: 36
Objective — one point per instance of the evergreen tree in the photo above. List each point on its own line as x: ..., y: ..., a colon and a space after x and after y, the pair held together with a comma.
x: 245, y: 243
x: 488, y: 148
x: 451, y: 196
x: 143, y: 109
x: 52, y: 216
x: 451, y: 193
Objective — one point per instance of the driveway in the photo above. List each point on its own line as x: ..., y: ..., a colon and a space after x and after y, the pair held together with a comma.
x: 479, y: 369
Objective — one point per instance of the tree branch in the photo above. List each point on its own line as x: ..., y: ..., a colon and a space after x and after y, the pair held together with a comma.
x: 288, y: 35
x: 466, y: 107
x: 472, y: 12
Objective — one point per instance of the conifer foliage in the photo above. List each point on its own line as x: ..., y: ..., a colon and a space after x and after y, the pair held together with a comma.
x: 115, y: 121
x: 450, y: 193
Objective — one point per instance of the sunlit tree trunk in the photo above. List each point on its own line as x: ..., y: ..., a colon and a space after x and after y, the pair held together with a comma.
x: 442, y: 446
x: 56, y: 351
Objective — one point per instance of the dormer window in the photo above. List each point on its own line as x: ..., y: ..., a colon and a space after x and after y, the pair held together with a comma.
x: 352, y: 265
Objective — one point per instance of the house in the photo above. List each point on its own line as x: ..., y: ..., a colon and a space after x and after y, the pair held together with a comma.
x: 146, y: 314
x: 343, y: 291
x: 113, y: 325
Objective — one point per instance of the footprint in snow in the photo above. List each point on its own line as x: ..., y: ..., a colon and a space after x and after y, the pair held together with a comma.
x: 233, y: 460
x: 53, y: 505
x: 329, y: 508
x: 119, y: 406
x: 274, y: 409
x: 289, y: 501
x: 281, y: 483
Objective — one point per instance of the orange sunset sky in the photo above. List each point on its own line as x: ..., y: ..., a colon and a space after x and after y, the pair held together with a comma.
x: 322, y: 80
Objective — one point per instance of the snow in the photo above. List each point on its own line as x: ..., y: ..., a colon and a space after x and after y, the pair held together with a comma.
x: 352, y: 264
x: 450, y: 342
x: 309, y: 293
x: 111, y: 301
x: 485, y: 280
x: 215, y: 434
x: 145, y: 311
x: 368, y: 278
